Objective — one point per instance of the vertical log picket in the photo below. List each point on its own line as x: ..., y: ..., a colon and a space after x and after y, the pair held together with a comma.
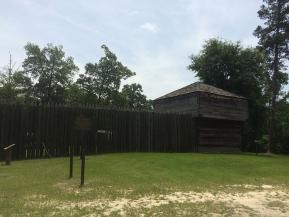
x: 51, y: 130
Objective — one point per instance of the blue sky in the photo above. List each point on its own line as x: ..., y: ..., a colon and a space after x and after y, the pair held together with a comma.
x: 154, y: 38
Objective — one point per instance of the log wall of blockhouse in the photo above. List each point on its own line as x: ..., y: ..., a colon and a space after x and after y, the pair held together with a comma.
x: 219, y: 107
x: 218, y: 119
x: 201, y: 104
x: 184, y: 104
x: 219, y: 135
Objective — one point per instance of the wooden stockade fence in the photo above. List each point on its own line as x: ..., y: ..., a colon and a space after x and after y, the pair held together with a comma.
x: 48, y: 130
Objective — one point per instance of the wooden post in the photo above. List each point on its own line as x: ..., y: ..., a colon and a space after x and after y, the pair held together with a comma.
x: 82, y: 125
x: 82, y: 166
x: 8, y: 154
x: 71, y: 161
x: 257, y: 148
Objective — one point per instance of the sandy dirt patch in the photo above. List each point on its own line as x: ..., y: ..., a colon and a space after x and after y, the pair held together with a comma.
x: 72, y: 189
x: 263, y: 200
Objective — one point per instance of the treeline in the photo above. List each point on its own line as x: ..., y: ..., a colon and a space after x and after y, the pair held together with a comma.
x: 48, y: 76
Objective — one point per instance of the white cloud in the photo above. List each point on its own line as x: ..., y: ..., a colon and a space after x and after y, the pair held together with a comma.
x: 151, y: 27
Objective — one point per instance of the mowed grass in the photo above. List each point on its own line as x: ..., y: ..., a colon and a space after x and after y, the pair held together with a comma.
x: 131, y: 175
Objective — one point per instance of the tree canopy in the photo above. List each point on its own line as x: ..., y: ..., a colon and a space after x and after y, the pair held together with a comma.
x: 101, y: 83
x: 14, y: 84
x: 50, y: 70
x: 48, y: 76
x: 132, y: 96
x: 231, y: 67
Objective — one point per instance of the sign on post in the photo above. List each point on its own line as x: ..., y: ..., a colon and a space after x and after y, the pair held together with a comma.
x: 8, y: 154
x: 81, y: 124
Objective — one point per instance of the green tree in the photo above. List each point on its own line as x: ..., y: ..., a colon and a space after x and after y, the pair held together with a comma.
x: 50, y: 71
x: 101, y: 81
x: 274, y: 39
x: 240, y: 70
x: 14, y: 84
x: 74, y: 94
x: 132, y: 97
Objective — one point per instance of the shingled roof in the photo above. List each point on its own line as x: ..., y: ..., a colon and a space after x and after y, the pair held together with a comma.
x: 200, y: 87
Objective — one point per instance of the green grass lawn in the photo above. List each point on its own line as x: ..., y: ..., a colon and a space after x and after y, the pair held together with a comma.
x: 35, y: 187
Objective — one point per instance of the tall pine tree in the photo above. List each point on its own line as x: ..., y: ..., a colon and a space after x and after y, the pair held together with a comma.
x: 274, y: 39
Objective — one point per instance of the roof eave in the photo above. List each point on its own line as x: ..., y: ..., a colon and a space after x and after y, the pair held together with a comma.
x: 169, y: 97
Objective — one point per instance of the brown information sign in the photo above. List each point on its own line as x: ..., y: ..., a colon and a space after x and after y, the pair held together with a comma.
x: 82, y: 123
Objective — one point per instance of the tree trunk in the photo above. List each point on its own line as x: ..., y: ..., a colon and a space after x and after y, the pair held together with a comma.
x: 275, y: 91
x: 275, y: 86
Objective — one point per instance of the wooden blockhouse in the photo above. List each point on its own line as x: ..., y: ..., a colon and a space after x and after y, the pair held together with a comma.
x: 219, y: 115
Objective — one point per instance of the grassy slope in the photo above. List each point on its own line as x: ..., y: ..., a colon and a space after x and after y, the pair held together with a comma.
x: 112, y: 175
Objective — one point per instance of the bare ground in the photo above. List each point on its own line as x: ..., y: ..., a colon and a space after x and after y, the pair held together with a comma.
x: 252, y: 200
